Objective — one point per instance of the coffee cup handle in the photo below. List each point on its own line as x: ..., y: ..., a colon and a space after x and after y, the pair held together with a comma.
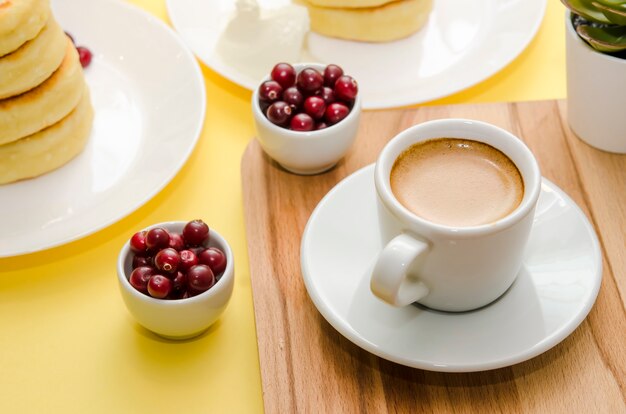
x: 390, y: 280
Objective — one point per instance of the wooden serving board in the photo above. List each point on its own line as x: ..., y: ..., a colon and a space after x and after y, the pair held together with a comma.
x: 308, y: 367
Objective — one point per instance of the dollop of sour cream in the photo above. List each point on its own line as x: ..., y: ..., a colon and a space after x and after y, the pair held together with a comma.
x: 257, y: 38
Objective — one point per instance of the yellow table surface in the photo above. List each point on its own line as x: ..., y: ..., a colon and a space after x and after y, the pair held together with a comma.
x: 67, y: 342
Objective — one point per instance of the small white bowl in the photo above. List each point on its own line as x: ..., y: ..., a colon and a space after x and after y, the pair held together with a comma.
x: 311, y: 152
x: 179, y: 318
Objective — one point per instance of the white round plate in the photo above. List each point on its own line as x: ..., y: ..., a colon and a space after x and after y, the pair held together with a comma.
x: 553, y: 293
x: 149, y: 100
x: 463, y: 43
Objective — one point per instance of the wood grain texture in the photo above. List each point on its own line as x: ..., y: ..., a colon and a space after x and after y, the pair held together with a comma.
x: 308, y: 367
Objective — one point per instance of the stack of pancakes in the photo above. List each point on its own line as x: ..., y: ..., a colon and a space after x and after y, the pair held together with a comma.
x: 368, y: 20
x: 45, y: 111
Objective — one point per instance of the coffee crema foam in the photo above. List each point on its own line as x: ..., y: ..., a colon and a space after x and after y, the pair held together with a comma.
x: 456, y: 182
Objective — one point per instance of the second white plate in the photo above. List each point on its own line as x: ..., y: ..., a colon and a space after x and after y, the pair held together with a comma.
x: 463, y: 43
x: 149, y: 99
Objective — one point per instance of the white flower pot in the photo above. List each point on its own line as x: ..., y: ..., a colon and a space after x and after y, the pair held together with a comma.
x: 596, y: 94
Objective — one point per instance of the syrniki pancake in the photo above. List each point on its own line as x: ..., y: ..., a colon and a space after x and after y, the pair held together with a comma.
x: 20, y: 21
x: 388, y: 22
x: 46, y: 104
x: 349, y: 3
x: 48, y: 149
x: 34, y: 62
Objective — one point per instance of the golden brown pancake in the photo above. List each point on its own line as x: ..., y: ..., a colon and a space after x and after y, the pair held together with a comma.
x: 388, y: 22
x: 34, y: 62
x: 20, y: 21
x: 349, y: 3
x: 46, y: 104
x: 50, y: 148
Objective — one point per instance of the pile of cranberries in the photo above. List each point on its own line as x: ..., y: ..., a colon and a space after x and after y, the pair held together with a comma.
x: 308, y: 100
x: 168, y: 265
x: 84, y: 54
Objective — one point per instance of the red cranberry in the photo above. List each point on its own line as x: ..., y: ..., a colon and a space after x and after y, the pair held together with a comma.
x: 200, y: 278
x: 188, y: 259
x: 176, y: 241
x: 179, y: 285
x: 321, y: 125
x: 159, y: 286
x: 301, y: 122
x: 315, y: 107
x: 279, y: 113
x: 214, y: 258
x: 139, y: 261
x: 157, y: 238
x: 270, y: 91
x: 331, y: 74
x: 167, y: 260
x: 139, y: 278
x: 284, y: 74
x: 309, y: 81
x: 84, y: 55
x: 336, y: 112
x: 138, y: 242
x: 293, y: 97
x: 327, y: 94
x: 195, y: 233
x: 346, y: 88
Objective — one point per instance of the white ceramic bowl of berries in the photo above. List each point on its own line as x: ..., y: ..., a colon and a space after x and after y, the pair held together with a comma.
x: 307, y: 115
x: 176, y: 278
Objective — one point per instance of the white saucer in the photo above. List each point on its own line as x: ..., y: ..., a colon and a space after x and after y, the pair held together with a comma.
x: 553, y: 293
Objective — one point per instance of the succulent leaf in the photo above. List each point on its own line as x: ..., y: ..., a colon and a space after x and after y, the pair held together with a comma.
x: 615, y: 13
x: 586, y: 9
x: 608, y: 39
x: 613, y: 4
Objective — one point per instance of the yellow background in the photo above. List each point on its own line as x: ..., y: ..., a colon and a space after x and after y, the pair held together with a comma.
x: 67, y: 342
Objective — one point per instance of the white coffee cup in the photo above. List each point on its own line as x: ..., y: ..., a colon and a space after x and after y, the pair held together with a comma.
x: 445, y: 267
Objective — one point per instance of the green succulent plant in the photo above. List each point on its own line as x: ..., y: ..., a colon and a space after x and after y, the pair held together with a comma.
x: 604, y: 25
